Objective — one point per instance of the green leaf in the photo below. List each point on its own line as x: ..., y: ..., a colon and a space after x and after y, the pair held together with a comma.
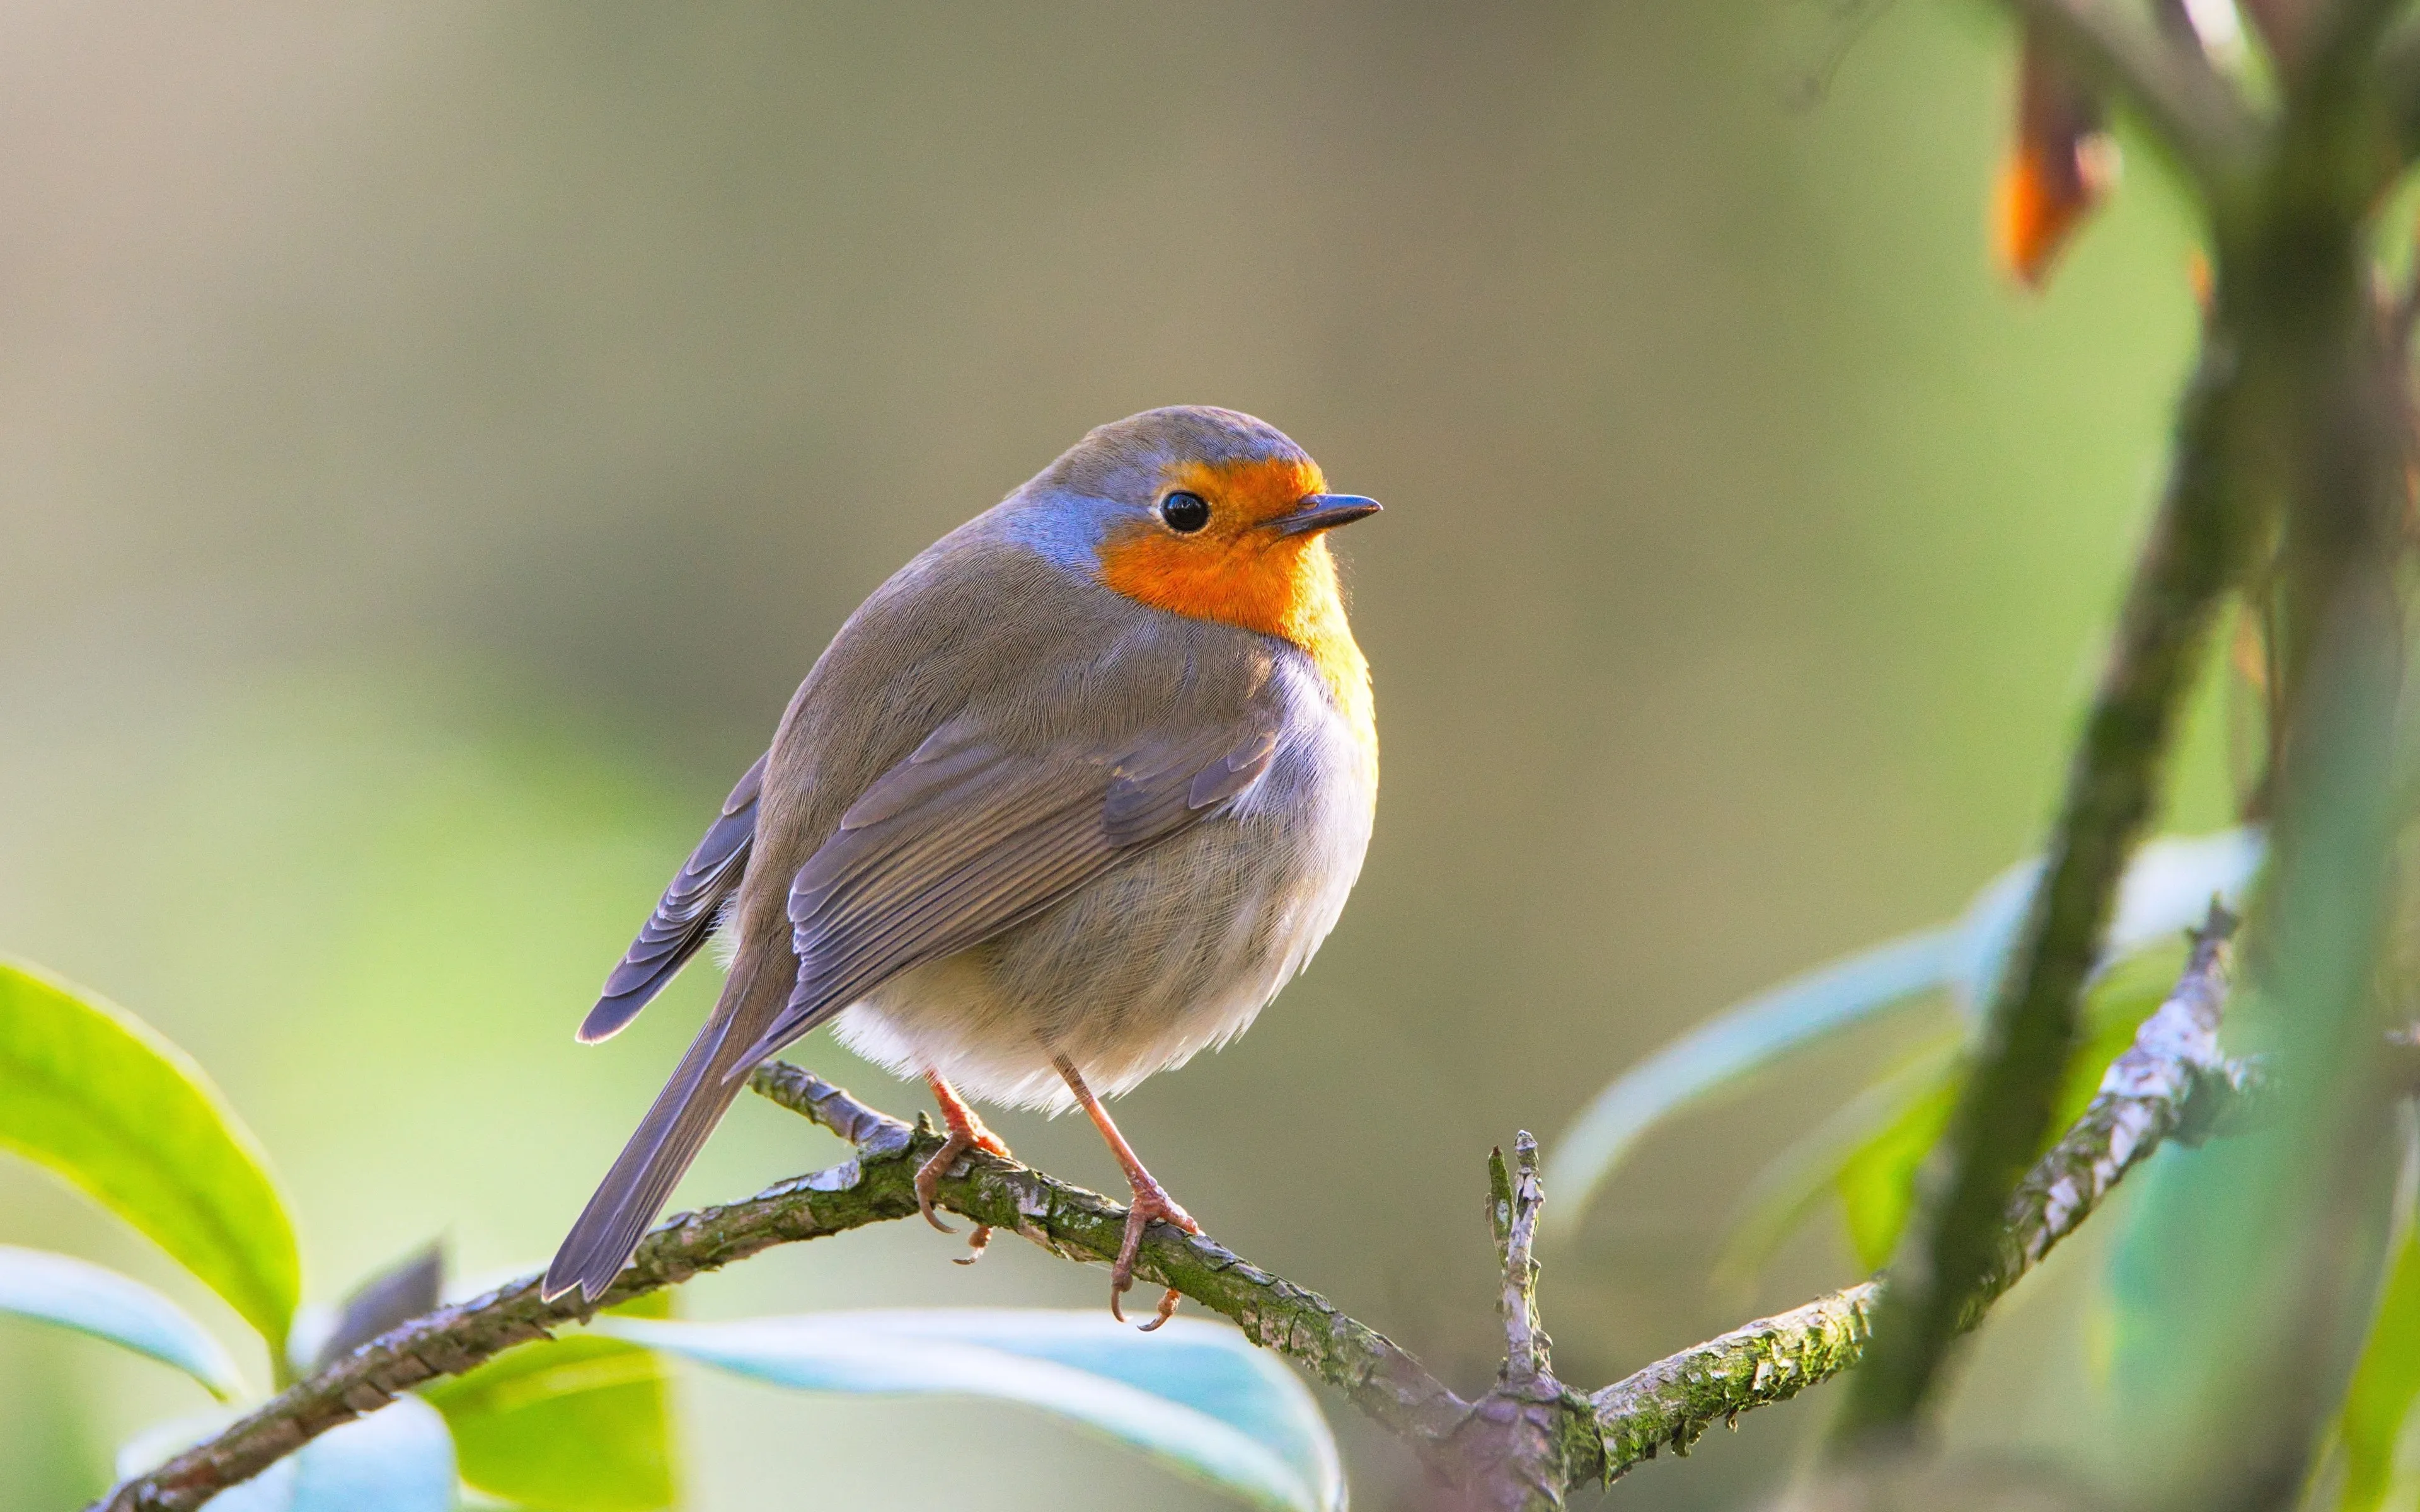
x: 1795, y: 1183
x: 1877, y: 1183
x: 92, y: 1299
x: 2385, y: 1385
x: 1196, y: 1396
x: 100, y: 1097
x: 581, y: 1424
x: 2167, y: 887
x: 1739, y: 1041
x: 396, y: 1459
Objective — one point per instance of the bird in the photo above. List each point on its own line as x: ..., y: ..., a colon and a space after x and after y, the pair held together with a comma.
x: 1065, y: 801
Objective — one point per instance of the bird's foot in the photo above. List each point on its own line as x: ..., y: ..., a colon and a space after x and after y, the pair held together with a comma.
x: 1151, y: 1201
x: 967, y: 1131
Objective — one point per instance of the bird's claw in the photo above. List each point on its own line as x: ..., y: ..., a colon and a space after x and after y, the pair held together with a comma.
x: 928, y: 1179
x: 1151, y: 1201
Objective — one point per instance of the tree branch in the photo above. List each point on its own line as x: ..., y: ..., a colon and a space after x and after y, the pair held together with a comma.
x: 2197, y: 540
x: 2172, y: 1065
x: 877, y: 1184
x: 1380, y: 1377
x: 1524, y: 1444
x: 2167, y: 82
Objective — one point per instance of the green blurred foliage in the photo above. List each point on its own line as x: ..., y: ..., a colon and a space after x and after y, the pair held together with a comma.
x: 1195, y: 1397
x: 579, y: 1424
x: 2249, y: 1271
x: 438, y: 437
x: 1877, y: 1182
x: 2385, y: 1385
x: 93, y: 1299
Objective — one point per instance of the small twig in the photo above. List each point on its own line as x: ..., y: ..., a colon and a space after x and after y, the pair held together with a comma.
x: 2167, y: 82
x: 1529, y: 1353
x: 1524, y: 1446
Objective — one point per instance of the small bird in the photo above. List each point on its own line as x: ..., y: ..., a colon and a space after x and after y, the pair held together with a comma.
x: 1065, y: 801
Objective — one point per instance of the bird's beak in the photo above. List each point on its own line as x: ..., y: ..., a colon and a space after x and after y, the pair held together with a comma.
x: 1323, y: 512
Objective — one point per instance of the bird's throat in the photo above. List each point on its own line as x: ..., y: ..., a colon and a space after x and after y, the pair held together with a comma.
x: 1275, y: 585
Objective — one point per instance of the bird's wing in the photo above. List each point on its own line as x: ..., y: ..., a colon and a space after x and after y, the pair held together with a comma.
x: 963, y: 840
x: 685, y: 915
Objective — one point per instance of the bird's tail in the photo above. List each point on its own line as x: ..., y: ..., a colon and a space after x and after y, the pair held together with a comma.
x: 668, y: 1138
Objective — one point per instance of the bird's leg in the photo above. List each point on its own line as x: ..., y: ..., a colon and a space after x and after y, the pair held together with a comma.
x: 967, y: 1131
x: 1151, y: 1201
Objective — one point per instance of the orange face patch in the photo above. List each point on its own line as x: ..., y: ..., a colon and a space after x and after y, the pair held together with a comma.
x: 1237, y: 571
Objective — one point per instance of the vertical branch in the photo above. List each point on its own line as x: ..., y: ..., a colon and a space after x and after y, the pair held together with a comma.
x: 1530, y: 1441
x: 2276, y: 419
x: 1515, y: 1201
x: 2196, y: 546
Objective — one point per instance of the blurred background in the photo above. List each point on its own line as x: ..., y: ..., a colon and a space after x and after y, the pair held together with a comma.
x: 435, y: 439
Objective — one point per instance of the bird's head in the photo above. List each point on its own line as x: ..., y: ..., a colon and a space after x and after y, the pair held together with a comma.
x: 1201, y: 512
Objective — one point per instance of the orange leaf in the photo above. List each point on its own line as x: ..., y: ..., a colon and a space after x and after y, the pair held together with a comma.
x: 2062, y: 164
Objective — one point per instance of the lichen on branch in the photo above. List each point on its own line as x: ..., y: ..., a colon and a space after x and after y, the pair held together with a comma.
x: 1525, y: 1444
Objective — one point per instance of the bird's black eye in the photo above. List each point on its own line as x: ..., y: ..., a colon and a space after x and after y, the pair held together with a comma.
x: 1185, y: 513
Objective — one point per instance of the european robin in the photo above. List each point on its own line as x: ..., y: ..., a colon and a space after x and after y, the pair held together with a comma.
x: 1066, y: 800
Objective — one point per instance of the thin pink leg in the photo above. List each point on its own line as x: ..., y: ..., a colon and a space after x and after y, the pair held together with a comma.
x: 967, y: 1131
x: 1151, y: 1201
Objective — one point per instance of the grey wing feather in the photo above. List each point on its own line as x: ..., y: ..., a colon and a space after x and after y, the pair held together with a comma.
x: 685, y: 915
x: 961, y: 841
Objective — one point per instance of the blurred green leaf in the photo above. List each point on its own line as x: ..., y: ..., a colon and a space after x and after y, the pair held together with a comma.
x: 2249, y: 1269
x: 1739, y: 1041
x: 2166, y: 889
x: 1198, y: 1397
x: 581, y: 1424
x: 92, y: 1299
x: 2385, y: 1385
x: 1797, y: 1180
x: 100, y: 1097
x: 1877, y: 1182
x: 396, y: 1459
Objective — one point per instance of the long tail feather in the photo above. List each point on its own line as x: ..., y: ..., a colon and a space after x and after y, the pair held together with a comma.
x: 700, y: 1089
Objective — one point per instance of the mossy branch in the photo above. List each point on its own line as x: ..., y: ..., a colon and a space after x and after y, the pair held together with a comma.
x: 2172, y: 1067
x: 875, y: 1185
x: 1524, y: 1444
x: 2200, y: 540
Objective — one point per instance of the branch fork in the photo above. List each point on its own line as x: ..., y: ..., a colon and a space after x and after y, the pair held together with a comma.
x: 1524, y: 1444
x: 1521, y: 1446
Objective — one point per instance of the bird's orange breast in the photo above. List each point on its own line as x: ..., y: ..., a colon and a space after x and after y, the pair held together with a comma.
x: 1236, y: 570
